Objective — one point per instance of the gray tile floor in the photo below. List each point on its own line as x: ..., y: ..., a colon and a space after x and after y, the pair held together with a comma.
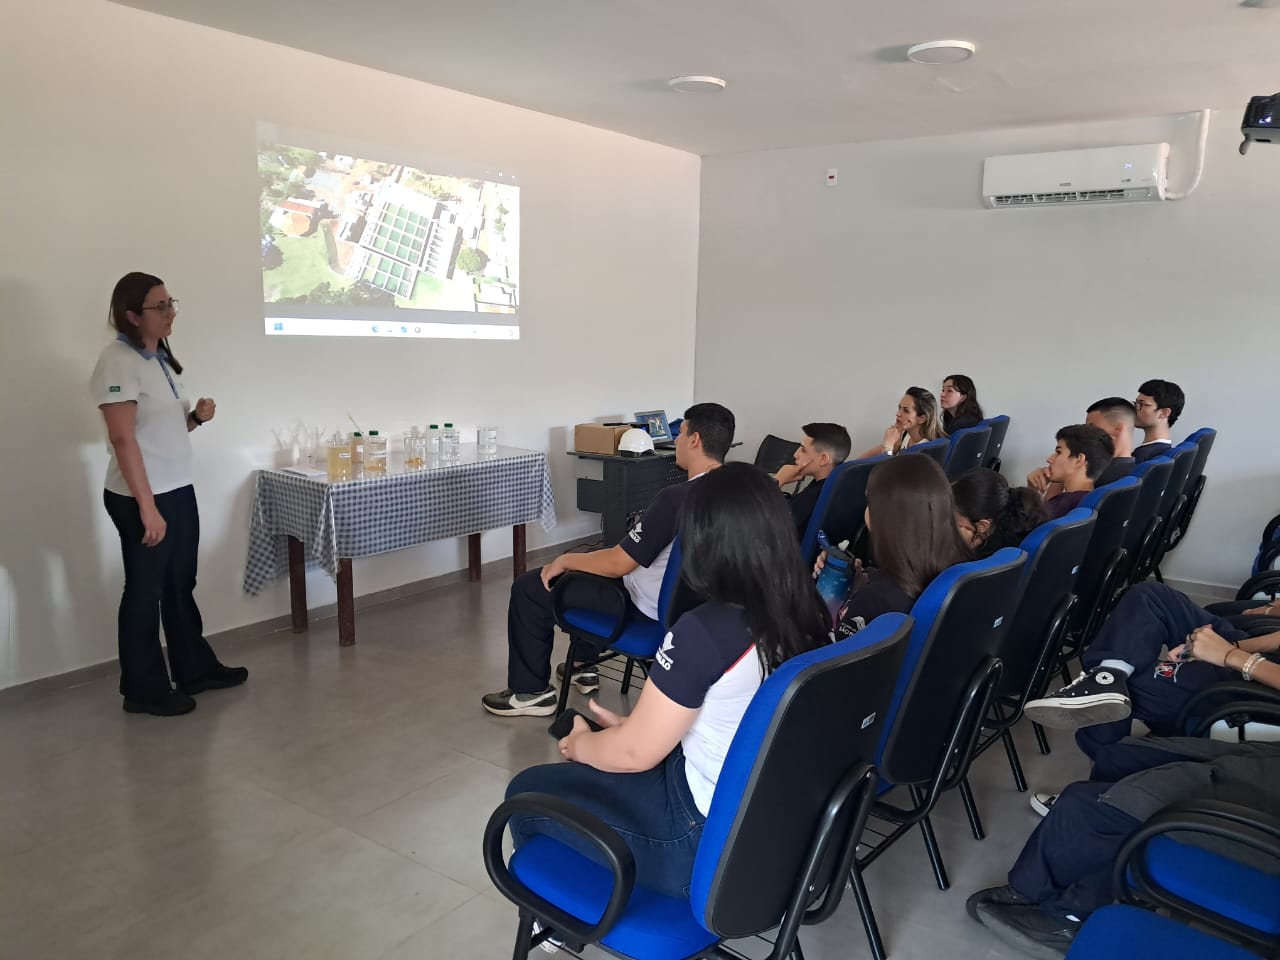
x: 333, y: 808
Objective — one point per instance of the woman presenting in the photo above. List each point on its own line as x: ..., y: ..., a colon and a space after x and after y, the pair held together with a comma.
x: 151, y: 501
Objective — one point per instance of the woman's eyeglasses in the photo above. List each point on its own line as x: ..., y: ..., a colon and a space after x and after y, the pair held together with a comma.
x: 164, y: 306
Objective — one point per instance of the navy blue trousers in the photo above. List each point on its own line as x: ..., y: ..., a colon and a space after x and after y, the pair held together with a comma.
x: 1149, y: 617
x: 159, y: 588
x: 1065, y: 865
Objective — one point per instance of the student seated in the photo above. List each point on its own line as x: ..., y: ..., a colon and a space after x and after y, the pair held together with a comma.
x: 1126, y: 676
x: 1158, y: 407
x: 640, y: 561
x: 651, y: 775
x: 959, y: 402
x: 1080, y: 455
x: 992, y: 515
x: 825, y: 447
x: 1115, y: 417
x: 910, y: 518
x: 916, y: 422
x: 1064, y: 871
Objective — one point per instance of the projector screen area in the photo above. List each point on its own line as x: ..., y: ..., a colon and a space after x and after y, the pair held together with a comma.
x: 360, y: 246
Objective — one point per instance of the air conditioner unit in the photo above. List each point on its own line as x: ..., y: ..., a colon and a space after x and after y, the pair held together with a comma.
x: 1099, y: 175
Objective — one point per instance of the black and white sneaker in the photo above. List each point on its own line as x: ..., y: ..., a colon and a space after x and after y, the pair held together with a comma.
x: 586, y: 680
x: 1035, y: 933
x: 1100, y: 695
x: 1005, y: 894
x: 1042, y: 802
x: 507, y: 704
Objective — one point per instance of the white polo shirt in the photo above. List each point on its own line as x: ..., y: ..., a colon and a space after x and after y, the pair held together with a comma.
x: 124, y: 373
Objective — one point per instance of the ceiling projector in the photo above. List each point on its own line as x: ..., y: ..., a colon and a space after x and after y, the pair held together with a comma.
x: 1261, y: 121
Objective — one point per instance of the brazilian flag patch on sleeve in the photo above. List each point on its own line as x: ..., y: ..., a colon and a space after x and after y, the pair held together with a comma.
x: 113, y: 389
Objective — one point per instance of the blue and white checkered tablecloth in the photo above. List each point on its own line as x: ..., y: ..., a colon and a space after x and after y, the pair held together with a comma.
x: 358, y: 518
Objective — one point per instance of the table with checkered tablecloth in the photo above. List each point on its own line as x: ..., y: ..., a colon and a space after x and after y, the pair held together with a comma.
x: 297, y: 518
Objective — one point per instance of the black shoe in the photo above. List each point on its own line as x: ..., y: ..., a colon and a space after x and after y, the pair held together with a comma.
x: 1035, y: 933
x: 586, y: 680
x: 1100, y: 695
x: 504, y: 703
x: 1005, y: 894
x: 175, y: 704
x: 220, y: 679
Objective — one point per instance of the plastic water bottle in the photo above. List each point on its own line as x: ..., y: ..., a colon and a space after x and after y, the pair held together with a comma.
x: 451, y: 443
x: 833, y: 582
x: 433, y: 441
x: 376, y: 451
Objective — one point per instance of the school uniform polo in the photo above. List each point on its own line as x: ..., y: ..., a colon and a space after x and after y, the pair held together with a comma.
x: 126, y: 373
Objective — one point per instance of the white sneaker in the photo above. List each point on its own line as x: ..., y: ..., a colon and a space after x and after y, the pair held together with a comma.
x: 1041, y: 802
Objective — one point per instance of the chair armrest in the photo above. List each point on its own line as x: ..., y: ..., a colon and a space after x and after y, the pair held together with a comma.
x: 1223, y: 699
x: 1255, y: 624
x: 1255, y: 829
x: 562, y: 591
x: 617, y: 855
x: 1268, y: 580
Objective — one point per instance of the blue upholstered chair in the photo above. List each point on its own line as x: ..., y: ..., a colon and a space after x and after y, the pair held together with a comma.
x: 1055, y: 551
x: 1146, y: 525
x: 1225, y: 879
x: 596, y: 636
x: 995, y: 445
x: 778, y: 842
x: 933, y: 448
x: 841, y: 505
x: 967, y: 450
x: 1122, y: 932
x: 949, y: 677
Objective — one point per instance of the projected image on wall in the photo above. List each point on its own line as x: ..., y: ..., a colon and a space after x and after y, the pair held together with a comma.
x: 355, y: 246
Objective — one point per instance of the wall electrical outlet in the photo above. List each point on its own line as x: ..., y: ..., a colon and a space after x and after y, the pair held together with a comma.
x: 831, y: 176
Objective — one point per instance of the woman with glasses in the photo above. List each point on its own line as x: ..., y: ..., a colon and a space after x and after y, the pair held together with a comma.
x: 959, y: 402
x: 150, y: 499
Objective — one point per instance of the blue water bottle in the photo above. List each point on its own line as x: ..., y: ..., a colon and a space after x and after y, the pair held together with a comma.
x: 833, y: 582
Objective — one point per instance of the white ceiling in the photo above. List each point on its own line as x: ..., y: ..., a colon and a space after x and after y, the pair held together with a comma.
x: 800, y: 72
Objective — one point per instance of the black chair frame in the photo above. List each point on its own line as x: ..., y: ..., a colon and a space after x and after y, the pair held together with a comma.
x: 1237, y: 703
x: 951, y: 771
x: 584, y: 653
x: 1134, y: 884
x: 1007, y: 711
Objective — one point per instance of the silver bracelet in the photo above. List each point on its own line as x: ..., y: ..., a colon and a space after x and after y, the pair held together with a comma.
x: 1249, y: 664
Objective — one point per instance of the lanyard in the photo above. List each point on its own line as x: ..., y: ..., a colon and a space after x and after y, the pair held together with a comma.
x: 165, y: 368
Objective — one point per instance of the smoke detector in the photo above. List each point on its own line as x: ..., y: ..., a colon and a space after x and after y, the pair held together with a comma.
x: 695, y: 84
x: 941, y: 51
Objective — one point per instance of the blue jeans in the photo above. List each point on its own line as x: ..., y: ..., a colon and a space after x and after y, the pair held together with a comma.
x: 654, y: 813
x: 1148, y: 617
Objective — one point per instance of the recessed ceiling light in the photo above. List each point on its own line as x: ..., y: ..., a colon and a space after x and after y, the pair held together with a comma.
x: 696, y: 84
x: 941, y: 51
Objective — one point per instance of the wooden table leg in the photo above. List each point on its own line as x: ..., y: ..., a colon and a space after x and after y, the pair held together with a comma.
x: 518, y: 551
x: 346, y: 606
x: 297, y: 585
x: 473, y: 557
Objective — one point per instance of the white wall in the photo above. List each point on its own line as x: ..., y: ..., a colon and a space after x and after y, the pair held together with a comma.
x: 842, y: 297
x: 128, y: 144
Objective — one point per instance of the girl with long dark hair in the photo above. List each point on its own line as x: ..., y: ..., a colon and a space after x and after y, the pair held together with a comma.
x: 651, y: 775
x: 959, y: 402
x: 911, y: 521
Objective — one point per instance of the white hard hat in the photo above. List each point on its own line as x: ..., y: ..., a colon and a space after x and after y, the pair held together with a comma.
x: 635, y: 442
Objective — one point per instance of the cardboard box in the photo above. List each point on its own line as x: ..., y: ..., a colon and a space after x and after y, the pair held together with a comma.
x: 597, y: 438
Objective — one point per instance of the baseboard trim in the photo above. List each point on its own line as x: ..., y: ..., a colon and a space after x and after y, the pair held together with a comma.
x: 263, y: 628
